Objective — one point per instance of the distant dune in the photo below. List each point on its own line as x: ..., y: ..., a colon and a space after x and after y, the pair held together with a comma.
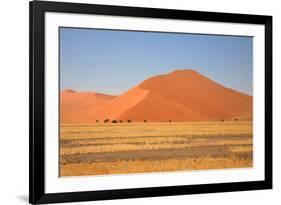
x: 81, y: 106
x: 182, y: 95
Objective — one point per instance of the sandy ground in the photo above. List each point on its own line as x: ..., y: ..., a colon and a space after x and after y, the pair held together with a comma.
x: 95, y: 149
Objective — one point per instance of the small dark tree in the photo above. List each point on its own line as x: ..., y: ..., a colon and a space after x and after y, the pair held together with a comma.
x: 236, y: 119
x: 170, y: 120
x: 222, y: 120
x: 129, y: 121
x: 106, y: 120
x: 120, y: 121
x: 144, y: 121
x: 114, y: 121
x: 97, y: 121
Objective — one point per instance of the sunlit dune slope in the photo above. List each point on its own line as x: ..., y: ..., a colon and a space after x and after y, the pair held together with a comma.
x: 182, y: 95
x: 80, y: 106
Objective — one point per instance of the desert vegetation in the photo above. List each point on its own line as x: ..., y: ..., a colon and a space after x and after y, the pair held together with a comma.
x: 130, y: 147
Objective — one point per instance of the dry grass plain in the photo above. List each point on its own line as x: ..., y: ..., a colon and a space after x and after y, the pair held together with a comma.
x: 116, y: 148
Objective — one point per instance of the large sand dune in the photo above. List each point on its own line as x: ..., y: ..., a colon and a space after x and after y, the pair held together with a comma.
x: 182, y: 95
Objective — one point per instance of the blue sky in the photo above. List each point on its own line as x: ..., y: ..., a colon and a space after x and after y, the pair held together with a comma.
x: 112, y: 62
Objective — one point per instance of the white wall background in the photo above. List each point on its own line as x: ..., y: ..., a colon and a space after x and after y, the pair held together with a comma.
x: 14, y: 42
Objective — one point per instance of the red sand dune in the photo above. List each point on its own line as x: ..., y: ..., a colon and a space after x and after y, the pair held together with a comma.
x: 80, y: 106
x: 182, y: 95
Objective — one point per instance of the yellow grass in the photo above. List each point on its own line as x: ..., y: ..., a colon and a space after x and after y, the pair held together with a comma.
x: 91, y: 149
x: 122, y: 167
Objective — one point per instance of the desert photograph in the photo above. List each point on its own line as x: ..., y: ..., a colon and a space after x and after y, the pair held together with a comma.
x: 145, y: 102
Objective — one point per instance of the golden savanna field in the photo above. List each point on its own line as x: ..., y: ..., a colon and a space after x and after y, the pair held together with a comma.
x: 116, y: 148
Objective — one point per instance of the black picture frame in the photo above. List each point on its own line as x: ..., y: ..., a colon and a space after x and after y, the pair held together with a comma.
x: 37, y: 193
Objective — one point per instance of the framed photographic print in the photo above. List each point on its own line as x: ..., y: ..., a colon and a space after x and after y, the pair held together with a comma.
x: 140, y: 102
